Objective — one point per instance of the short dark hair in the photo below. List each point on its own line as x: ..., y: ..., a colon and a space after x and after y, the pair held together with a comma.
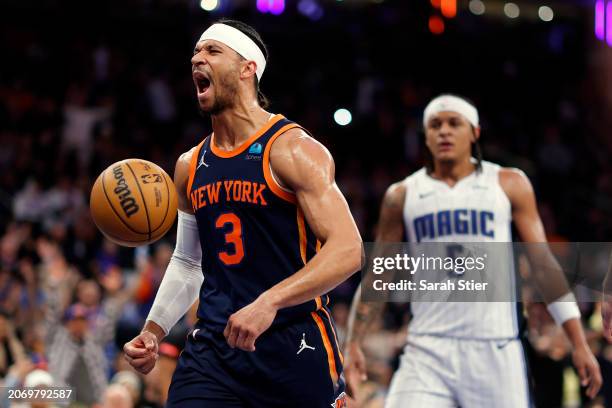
x: 476, y: 150
x: 253, y: 35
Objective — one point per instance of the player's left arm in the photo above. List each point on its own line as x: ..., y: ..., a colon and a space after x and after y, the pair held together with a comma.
x: 548, y: 274
x: 306, y: 167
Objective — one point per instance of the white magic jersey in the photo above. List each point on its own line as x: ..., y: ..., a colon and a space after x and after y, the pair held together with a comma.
x: 475, y: 210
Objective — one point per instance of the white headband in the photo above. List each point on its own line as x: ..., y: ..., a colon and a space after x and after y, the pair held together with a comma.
x: 239, y: 42
x: 450, y: 103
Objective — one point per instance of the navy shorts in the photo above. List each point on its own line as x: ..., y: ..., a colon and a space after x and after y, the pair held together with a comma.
x: 295, y: 365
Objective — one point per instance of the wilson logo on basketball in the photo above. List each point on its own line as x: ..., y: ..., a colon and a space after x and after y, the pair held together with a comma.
x: 128, y: 203
x: 133, y: 202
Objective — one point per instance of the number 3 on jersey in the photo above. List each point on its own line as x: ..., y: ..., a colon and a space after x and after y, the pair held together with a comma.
x: 233, y: 236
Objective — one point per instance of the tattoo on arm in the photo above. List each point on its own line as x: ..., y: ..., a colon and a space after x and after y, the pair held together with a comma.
x: 361, y: 317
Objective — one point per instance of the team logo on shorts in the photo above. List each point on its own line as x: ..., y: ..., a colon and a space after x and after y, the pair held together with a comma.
x: 303, y: 345
x: 340, y: 402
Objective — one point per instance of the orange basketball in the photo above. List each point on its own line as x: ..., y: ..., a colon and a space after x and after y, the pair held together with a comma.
x: 133, y: 202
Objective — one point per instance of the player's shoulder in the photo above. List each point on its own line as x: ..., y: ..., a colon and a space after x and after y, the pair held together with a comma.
x: 184, y: 161
x: 297, y: 132
x: 415, y: 181
x: 512, y: 175
x: 185, y: 157
x: 182, y: 172
x: 504, y: 174
x: 514, y: 181
x: 298, y: 152
x: 395, y: 194
x: 418, y: 174
x: 183, y: 167
x: 297, y: 141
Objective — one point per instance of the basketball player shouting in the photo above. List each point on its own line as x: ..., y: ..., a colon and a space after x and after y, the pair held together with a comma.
x: 459, y: 353
x: 262, y: 219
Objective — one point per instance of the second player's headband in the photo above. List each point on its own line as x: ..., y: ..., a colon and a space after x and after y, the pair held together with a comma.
x: 239, y: 42
x: 450, y: 103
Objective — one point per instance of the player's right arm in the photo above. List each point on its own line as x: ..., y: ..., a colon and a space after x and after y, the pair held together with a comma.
x: 548, y: 275
x: 181, y: 283
x: 362, y: 314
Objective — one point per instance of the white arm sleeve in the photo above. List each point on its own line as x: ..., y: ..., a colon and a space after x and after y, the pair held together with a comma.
x: 183, y: 279
x: 564, y: 309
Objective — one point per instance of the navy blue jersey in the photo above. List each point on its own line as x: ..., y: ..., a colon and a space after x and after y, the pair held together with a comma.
x: 253, y: 233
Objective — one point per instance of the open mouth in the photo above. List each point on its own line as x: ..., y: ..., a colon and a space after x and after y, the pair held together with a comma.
x: 201, y: 81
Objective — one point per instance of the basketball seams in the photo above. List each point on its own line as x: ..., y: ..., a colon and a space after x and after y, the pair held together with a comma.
x: 144, y: 201
x: 110, y: 203
x: 124, y: 232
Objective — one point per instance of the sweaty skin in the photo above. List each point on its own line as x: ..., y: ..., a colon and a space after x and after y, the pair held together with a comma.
x: 300, y: 163
x: 449, y: 137
x: 306, y: 167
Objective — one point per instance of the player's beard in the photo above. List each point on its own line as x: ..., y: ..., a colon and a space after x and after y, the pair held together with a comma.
x: 226, y: 91
x: 447, y: 160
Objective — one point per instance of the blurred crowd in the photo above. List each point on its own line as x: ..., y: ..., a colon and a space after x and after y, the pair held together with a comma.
x: 81, y: 88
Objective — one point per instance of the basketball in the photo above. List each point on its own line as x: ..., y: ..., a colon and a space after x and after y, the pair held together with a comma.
x: 133, y: 202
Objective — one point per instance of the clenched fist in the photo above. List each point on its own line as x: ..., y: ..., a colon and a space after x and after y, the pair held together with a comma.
x: 142, y: 352
x: 246, y: 325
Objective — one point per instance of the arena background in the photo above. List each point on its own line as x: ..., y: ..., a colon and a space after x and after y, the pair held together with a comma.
x: 84, y: 84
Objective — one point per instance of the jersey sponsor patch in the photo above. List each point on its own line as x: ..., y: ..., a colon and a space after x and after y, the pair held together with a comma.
x: 255, y: 148
x: 254, y: 152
